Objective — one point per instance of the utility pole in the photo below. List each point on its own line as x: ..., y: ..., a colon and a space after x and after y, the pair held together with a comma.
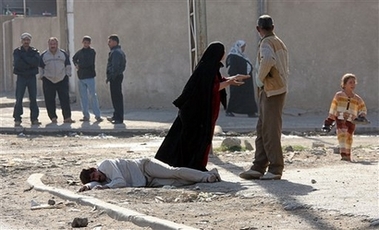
x: 197, y: 26
x: 24, y: 5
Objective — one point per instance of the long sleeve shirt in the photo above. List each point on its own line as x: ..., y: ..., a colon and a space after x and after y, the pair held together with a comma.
x: 341, y: 103
x: 116, y: 63
x: 122, y: 173
x: 272, y: 65
x: 54, y: 67
x: 25, y: 62
x: 85, y: 60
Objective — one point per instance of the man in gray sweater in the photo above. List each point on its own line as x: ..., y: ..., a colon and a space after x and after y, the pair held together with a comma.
x: 144, y: 172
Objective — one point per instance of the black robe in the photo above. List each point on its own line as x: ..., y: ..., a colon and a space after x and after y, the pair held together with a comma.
x: 192, y: 131
x: 242, y: 98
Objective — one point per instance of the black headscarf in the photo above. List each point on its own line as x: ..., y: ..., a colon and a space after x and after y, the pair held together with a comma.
x: 191, y: 132
x: 204, y: 73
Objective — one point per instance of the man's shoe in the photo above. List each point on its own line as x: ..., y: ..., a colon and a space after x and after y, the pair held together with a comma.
x: 84, y: 119
x: 54, y: 120
x: 110, y: 119
x: 115, y: 122
x: 271, y: 176
x: 17, y: 123
x: 99, y: 119
x: 250, y: 175
x: 36, y: 122
x: 68, y: 120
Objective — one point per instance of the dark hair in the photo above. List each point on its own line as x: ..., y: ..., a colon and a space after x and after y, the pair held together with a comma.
x: 265, y: 22
x: 85, y: 175
x: 86, y: 38
x: 114, y: 37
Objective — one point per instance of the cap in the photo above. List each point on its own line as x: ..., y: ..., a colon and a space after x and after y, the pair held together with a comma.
x: 26, y: 35
x: 265, y: 22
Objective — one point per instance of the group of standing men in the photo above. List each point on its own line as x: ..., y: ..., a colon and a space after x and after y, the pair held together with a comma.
x: 54, y: 69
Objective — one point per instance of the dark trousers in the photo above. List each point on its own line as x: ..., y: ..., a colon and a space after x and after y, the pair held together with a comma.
x: 268, y: 146
x: 22, y: 83
x: 49, y: 91
x: 117, y: 98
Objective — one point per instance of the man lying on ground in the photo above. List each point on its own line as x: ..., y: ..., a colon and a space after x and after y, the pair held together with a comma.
x: 144, y: 172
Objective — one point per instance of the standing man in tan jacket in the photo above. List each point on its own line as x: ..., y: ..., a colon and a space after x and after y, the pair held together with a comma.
x: 271, y: 79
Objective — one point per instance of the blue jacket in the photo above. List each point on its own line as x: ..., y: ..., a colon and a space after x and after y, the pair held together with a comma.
x: 25, y: 62
x: 116, y: 63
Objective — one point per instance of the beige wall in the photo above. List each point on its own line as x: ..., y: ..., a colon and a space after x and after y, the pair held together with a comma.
x: 155, y: 39
x: 325, y: 40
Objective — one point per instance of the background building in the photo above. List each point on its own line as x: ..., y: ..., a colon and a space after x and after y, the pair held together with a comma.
x: 325, y: 40
x: 32, y: 7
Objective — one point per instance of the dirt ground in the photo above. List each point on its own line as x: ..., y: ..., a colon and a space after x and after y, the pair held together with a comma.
x: 203, y: 206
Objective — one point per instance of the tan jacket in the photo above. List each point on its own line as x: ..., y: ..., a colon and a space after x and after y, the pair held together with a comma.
x: 273, y: 67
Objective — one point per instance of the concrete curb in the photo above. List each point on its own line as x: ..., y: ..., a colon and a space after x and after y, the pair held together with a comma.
x: 88, y: 131
x: 114, y: 211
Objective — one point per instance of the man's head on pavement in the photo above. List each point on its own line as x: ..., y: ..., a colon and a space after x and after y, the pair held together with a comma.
x: 53, y: 44
x: 265, y: 25
x: 26, y: 39
x: 113, y: 41
x: 91, y: 174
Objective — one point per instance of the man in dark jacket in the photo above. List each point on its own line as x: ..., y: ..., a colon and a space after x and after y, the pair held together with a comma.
x: 84, y: 61
x: 25, y: 63
x: 115, y: 67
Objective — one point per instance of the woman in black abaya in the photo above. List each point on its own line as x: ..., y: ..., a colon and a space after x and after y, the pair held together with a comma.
x: 189, y: 139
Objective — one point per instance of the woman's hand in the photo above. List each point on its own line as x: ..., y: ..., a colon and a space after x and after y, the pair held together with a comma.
x: 240, y: 77
x: 237, y: 80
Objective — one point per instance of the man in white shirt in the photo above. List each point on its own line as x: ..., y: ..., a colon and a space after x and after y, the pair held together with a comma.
x: 144, y: 172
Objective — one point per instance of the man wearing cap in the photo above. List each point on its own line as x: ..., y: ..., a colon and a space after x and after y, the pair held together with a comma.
x: 25, y: 66
x: 55, y: 69
x: 271, y: 79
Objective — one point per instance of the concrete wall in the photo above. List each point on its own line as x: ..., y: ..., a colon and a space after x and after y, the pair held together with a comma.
x: 155, y: 39
x: 325, y: 40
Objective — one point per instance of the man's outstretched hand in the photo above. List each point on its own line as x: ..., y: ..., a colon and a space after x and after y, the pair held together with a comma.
x: 84, y: 188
